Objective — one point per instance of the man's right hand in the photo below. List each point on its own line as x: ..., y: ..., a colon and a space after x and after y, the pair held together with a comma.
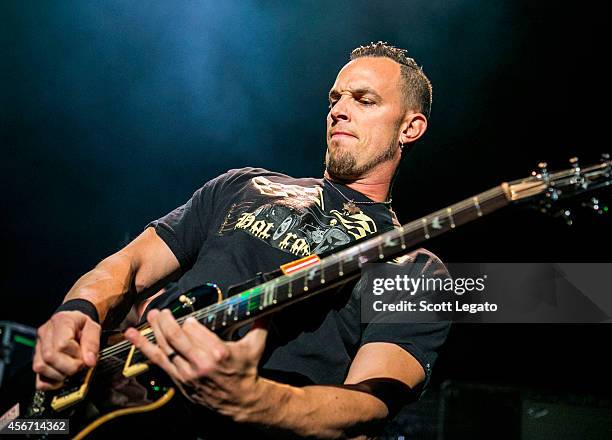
x: 66, y: 343
x: 70, y: 340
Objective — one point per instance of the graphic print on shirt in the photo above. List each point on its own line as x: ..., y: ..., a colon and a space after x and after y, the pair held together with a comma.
x: 295, y: 220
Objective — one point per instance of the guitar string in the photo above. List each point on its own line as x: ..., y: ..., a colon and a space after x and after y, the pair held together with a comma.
x: 397, y: 232
x: 459, y: 208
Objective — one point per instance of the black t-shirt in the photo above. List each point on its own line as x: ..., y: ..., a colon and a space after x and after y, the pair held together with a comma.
x: 252, y: 220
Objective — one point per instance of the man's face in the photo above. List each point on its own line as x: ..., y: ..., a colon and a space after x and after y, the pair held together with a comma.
x: 364, y: 119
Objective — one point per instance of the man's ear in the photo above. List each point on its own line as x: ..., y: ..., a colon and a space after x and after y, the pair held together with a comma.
x: 412, y: 128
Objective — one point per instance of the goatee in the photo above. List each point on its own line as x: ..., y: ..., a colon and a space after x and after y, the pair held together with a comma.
x: 343, y: 164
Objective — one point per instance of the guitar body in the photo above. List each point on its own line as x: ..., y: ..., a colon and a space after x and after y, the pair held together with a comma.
x: 97, y: 401
x: 102, y: 413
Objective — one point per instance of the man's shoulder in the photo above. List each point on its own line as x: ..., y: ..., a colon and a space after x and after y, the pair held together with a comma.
x: 245, y: 174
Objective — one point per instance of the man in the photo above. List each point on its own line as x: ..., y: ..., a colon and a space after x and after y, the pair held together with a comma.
x: 315, y: 369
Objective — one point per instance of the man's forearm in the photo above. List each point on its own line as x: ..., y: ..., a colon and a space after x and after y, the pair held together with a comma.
x: 107, y: 284
x: 320, y: 411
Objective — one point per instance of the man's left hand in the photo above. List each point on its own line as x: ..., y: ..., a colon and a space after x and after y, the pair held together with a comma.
x: 215, y: 373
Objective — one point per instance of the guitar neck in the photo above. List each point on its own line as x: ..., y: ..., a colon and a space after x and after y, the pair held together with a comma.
x: 313, y: 275
x: 318, y: 275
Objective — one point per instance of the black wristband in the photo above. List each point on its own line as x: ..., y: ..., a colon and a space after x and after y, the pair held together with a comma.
x: 80, y: 305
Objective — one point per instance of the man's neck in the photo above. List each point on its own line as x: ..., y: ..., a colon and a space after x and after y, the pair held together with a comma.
x: 375, y: 186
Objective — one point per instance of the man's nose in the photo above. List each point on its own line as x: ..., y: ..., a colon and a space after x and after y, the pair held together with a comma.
x: 340, y: 110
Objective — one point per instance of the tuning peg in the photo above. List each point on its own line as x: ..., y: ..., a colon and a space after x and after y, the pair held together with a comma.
x: 596, y: 205
x: 574, y: 162
x: 566, y: 214
x: 580, y: 180
x: 605, y: 157
x: 542, y: 172
x: 551, y: 192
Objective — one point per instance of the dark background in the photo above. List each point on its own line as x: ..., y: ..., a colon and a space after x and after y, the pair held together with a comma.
x: 113, y: 113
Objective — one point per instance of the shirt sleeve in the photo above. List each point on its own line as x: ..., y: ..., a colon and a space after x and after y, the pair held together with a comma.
x: 422, y: 340
x: 185, y: 229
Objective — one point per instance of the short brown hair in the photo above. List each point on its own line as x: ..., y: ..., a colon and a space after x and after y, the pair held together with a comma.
x: 416, y: 86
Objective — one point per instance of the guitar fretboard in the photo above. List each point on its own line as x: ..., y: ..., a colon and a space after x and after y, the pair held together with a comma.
x: 344, y: 265
x: 326, y: 273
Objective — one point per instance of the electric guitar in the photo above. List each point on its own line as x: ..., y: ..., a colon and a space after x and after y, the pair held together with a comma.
x: 124, y: 383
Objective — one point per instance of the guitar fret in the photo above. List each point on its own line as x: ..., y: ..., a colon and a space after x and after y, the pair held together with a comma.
x: 289, y: 289
x: 230, y: 310
x: 477, y: 205
x: 449, y: 211
x: 424, y: 221
x: 361, y: 260
x: 380, y: 252
x: 261, y: 300
x: 389, y: 241
x: 402, y: 238
x: 340, y: 271
x: 248, y: 307
x: 212, y: 317
x: 351, y: 264
x: 268, y: 296
x: 322, y: 273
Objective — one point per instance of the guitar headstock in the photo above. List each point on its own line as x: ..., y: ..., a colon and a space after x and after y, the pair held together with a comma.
x: 547, y: 189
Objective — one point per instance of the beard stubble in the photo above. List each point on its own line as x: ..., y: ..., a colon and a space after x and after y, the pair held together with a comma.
x: 343, y: 164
